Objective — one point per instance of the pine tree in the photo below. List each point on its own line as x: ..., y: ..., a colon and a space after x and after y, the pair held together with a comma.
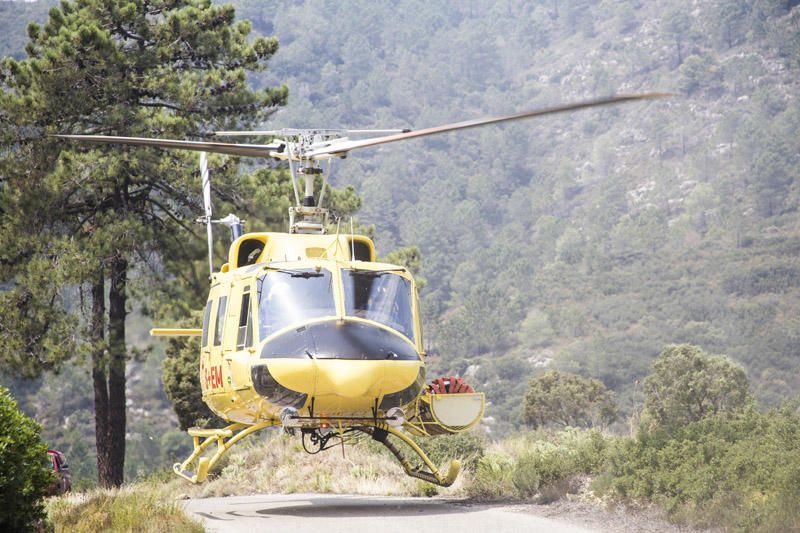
x: 72, y: 217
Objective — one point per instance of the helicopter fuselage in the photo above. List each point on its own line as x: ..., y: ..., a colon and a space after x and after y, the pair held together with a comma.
x: 310, y: 328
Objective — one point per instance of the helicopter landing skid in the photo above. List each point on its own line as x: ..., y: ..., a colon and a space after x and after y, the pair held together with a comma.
x: 225, y: 438
x: 381, y: 432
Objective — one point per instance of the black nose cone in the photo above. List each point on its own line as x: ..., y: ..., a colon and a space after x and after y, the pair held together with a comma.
x: 340, y: 340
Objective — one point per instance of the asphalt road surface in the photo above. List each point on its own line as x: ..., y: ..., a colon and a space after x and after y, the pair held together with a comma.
x: 362, y: 514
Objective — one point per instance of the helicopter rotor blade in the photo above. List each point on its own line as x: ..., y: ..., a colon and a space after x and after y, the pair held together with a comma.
x: 247, y: 150
x: 288, y: 132
x: 340, y: 149
x: 329, y: 149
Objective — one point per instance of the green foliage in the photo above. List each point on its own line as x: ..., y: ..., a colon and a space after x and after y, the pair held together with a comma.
x: 629, y: 228
x: 563, y: 399
x: 132, y: 68
x: 688, y: 385
x: 493, y: 477
x: 677, y: 25
x: 535, y: 331
x: 24, y: 475
x: 468, y: 447
x: 699, y: 73
x: 732, y: 470
x: 545, y: 465
x: 775, y: 277
x: 181, y: 376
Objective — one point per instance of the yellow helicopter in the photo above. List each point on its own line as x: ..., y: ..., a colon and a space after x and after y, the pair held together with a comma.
x: 307, y: 330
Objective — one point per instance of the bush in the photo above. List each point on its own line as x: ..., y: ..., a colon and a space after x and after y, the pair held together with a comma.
x: 545, y: 465
x: 24, y: 478
x: 468, y: 447
x: 734, y: 470
x: 563, y: 399
x: 688, y: 385
x: 181, y: 376
x: 493, y: 475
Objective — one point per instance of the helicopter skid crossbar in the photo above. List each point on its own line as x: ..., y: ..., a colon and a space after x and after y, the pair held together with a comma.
x: 381, y: 432
x: 225, y: 438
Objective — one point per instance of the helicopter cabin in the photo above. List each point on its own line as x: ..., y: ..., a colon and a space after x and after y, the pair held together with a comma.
x: 285, y: 314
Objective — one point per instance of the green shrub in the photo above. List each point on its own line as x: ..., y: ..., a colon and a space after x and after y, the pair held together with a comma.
x: 558, y: 463
x: 688, y: 385
x: 467, y: 447
x: 563, y: 399
x: 493, y: 477
x: 735, y: 470
x: 541, y: 464
x: 527, y: 474
x: 24, y: 478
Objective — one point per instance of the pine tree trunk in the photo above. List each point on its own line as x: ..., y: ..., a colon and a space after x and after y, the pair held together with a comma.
x: 116, y: 368
x: 101, y: 432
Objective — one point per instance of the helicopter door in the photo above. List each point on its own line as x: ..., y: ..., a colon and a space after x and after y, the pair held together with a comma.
x: 238, y: 341
x: 211, y: 377
x: 214, y: 373
x: 204, y: 351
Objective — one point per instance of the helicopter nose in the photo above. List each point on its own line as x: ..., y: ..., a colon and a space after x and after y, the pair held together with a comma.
x: 349, y: 381
x: 349, y: 360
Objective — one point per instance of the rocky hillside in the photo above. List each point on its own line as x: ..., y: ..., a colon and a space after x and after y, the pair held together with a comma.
x: 586, y: 241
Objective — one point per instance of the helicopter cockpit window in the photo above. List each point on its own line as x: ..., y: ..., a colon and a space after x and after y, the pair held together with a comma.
x: 381, y: 296
x: 289, y: 297
x: 218, y: 324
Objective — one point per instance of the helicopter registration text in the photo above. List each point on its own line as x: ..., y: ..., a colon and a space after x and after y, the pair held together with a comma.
x: 212, y: 377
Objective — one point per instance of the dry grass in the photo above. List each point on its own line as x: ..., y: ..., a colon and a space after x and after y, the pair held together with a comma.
x: 277, y: 463
x: 135, y: 508
x: 273, y: 463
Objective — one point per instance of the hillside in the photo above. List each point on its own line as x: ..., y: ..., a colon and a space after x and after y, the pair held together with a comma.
x: 583, y: 242
x: 587, y: 241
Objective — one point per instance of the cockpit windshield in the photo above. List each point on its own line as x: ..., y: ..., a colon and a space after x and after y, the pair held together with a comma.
x: 288, y: 297
x: 381, y: 296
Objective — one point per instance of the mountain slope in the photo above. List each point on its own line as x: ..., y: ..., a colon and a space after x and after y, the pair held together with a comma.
x: 585, y: 241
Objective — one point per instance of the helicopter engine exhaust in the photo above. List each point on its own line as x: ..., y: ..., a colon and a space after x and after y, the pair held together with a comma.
x: 237, y: 230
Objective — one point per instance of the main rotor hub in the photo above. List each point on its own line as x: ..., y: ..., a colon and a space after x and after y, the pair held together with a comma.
x: 311, y: 220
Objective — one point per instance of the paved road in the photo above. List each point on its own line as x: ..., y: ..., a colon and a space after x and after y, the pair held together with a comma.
x: 331, y: 513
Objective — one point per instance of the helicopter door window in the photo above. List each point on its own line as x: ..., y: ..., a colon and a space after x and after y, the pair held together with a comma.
x: 244, y: 336
x: 218, y: 329
x: 380, y: 296
x: 288, y: 297
x: 206, y: 319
